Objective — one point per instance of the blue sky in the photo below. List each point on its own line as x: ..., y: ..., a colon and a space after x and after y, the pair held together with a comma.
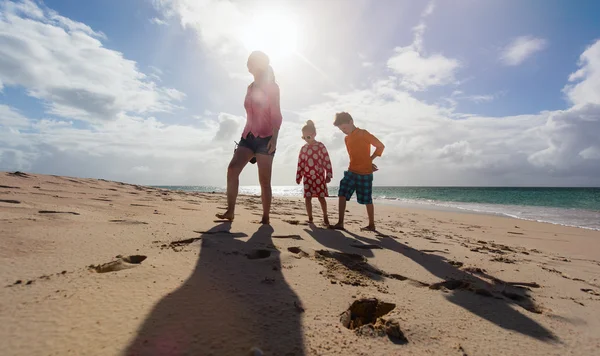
x: 150, y: 91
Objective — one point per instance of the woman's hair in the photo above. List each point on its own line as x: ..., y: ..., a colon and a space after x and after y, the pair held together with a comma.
x: 310, y: 127
x: 263, y: 61
x: 342, y: 118
x: 270, y: 75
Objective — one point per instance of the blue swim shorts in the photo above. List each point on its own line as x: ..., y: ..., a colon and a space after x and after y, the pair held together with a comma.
x: 361, y: 183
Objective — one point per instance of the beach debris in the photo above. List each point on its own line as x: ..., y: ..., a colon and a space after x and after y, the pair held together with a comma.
x: 366, y: 316
x: 292, y: 222
x: 456, y: 263
x: 10, y: 201
x: 502, y: 259
x: 120, y: 264
x: 299, y: 307
x: 19, y: 174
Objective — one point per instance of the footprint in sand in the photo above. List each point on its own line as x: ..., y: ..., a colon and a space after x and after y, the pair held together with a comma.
x: 293, y: 237
x: 57, y: 212
x: 298, y: 251
x: 366, y: 318
x: 120, y: 264
x: 258, y: 254
x: 129, y: 222
x: 366, y: 247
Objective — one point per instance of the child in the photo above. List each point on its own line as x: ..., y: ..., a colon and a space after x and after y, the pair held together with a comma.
x: 315, y: 167
x: 359, y: 176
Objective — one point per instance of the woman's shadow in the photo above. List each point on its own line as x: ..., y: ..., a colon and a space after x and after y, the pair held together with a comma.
x: 235, y: 299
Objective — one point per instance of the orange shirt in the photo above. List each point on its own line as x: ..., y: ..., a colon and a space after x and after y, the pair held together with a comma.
x: 358, y: 144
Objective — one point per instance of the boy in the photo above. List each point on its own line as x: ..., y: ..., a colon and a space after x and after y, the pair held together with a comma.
x: 359, y: 176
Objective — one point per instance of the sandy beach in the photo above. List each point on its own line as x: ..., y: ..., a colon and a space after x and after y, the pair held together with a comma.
x: 94, y: 267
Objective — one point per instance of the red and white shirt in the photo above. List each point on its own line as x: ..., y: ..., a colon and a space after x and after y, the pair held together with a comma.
x: 315, y: 167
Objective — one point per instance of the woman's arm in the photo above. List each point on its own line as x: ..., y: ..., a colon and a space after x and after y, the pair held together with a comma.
x: 276, y: 117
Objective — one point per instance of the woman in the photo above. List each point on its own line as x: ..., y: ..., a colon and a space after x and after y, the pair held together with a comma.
x: 259, y: 139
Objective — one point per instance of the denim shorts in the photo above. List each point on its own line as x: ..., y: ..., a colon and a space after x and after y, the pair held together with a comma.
x: 361, y: 183
x: 258, y: 145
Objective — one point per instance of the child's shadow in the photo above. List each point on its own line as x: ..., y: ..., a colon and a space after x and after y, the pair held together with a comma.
x: 336, y: 240
x: 349, y: 252
x: 497, y: 311
x: 236, y: 298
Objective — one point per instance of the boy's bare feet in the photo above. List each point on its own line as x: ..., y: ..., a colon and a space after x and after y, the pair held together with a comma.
x: 338, y: 226
x: 225, y: 216
x: 265, y: 220
x: 369, y: 228
x: 326, y: 222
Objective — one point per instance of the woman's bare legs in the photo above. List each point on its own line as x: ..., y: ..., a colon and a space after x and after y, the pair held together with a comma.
x: 239, y: 160
x: 265, y: 167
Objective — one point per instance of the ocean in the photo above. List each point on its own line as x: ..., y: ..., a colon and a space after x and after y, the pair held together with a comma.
x: 578, y: 207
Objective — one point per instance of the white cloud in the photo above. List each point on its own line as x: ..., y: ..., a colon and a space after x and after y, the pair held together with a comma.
x: 64, y: 63
x: 217, y: 22
x: 522, y: 48
x: 229, y: 127
x: 163, y: 154
x: 433, y: 145
x: 157, y: 21
x: 417, y: 70
x: 476, y: 98
x: 10, y: 117
x: 586, y: 87
x: 426, y: 144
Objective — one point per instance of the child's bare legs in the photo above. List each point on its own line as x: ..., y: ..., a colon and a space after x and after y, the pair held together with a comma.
x: 371, y: 214
x: 308, y: 202
x: 342, y: 212
x: 324, y: 208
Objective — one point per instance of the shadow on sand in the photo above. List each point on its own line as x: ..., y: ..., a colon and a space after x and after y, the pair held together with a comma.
x: 235, y: 299
x: 498, y: 310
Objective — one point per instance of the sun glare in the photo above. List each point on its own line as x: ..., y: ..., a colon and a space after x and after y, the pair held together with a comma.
x: 274, y: 33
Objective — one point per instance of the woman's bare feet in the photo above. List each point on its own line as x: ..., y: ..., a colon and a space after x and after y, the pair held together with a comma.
x: 369, y: 228
x: 225, y: 216
x: 338, y: 226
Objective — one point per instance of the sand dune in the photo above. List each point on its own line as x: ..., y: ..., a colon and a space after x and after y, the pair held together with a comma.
x: 94, y: 267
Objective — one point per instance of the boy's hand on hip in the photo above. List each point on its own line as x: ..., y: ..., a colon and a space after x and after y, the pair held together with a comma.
x: 375, y: 169
x: 272, y: 145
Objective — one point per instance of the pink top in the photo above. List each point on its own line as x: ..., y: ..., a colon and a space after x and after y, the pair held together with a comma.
x: 263, y: 113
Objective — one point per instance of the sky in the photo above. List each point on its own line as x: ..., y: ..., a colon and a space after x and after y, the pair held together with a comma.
x: 462, y: 93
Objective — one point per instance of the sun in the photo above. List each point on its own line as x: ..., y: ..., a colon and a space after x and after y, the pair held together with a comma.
x: 273, y: 32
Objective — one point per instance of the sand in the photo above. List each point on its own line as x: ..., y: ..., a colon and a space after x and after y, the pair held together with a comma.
x: 93, y: 267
